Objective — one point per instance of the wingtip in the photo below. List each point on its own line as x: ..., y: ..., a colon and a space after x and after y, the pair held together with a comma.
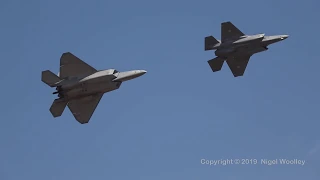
x: 65, y: 53
x: 83, y: 122
x: 226, y: 22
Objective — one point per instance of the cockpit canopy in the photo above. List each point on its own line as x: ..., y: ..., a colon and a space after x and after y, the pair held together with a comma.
x: 110, y: 71
x: 244, y: 36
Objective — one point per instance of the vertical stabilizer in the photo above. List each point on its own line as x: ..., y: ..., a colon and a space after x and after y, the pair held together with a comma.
x: 49, y: 78
x: 210, y: 42
x: 58, y: 107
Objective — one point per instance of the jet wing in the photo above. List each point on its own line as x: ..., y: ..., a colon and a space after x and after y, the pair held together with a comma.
x: 238, y: 64
x: 228, y: 30
x: 70, y: 65
x: 82, y: 109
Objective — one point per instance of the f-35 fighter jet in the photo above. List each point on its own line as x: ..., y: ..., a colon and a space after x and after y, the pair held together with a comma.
x: 236, y: 48
x: 81, y: 87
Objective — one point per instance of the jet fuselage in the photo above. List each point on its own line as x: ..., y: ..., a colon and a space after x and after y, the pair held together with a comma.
x: 99, y: 82
x: 246, y: 45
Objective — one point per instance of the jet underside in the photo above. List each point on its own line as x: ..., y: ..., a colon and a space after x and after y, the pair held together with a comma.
x: 81, y: 87
x: 240, y: 49
x: 236, y: 48
x: 97, y: 83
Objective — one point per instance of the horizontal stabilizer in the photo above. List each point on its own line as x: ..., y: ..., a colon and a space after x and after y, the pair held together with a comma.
x: 209, y: 42
x: 216, y: 64
x: 58, y: 107
x: 49, y: 78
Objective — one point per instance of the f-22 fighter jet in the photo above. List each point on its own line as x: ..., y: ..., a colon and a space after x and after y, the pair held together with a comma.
x: 81, y: 87
x: 236, y: 48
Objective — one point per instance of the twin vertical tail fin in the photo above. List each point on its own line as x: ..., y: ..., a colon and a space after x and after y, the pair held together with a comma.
x: 210, y: 42
x: 49, y: 78
x: 58, y: 105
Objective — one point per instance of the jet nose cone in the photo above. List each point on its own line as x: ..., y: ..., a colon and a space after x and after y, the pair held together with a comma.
x: 141, y: 72
x: 283, y: 37
x: 128, y: 75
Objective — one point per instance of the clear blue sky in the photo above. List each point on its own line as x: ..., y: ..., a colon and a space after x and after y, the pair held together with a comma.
x: 160, y: 125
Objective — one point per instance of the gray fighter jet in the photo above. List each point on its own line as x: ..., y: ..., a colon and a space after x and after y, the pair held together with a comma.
x: 81, y: 87
x: 236, y: 48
